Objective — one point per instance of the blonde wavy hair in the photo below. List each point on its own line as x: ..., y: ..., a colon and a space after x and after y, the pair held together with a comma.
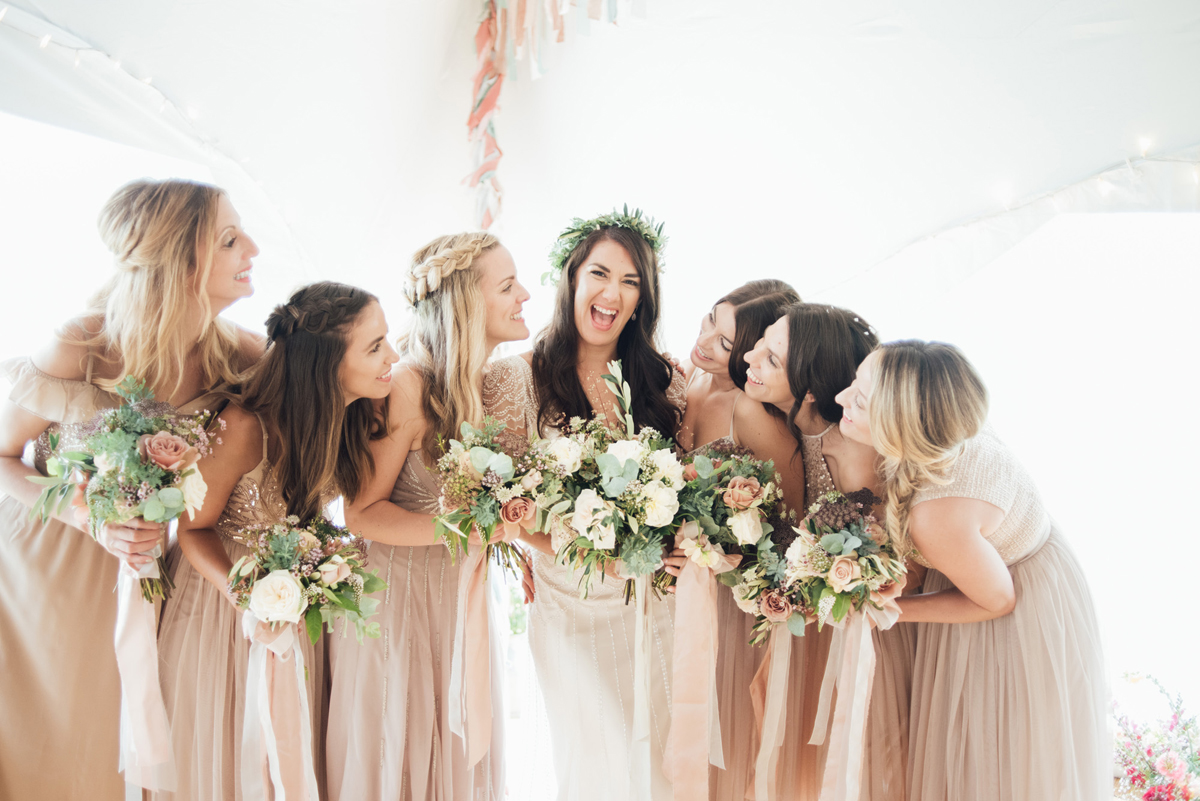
x: 162, y: 235
x: 447, y: 336
x: 926, y: 402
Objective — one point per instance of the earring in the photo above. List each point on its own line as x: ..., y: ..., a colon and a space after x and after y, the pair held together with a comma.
x: 634, y: 317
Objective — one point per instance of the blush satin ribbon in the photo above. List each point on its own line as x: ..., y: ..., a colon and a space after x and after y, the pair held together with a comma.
x: 694, y: 741
x: 639, y: 774
x: 769, y: 694
x: 470, y: 707
x: 146, y: 758
x: 277, y: 729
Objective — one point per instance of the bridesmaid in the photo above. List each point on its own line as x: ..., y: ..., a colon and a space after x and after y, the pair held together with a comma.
x: 1008, y: 688
x: 719, y: 414
x: 181, y: 258
x: 606, y: 307
x: 309, y: 398
x: 803, y: 361
x: 389, y: 725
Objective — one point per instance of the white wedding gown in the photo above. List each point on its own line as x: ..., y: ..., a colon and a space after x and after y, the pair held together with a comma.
x: 583, y: 652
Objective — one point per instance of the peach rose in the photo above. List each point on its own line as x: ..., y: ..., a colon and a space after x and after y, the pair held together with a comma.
x: 775, y: 606
x: 844, y: 574
x: 516, y: 514
x: 877, y: 534
x: 334, y: 571
x: 743, y: 493
x: 886, y: 595
x: 167, y: 451
x: 689, y: 472
x: 531, y: 480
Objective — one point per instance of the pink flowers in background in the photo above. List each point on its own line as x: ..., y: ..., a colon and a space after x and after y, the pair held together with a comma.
x: 1161, y: 761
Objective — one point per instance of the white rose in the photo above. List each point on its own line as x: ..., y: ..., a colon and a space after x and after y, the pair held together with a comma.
x: 104, y: 465
x: 566, y: 452
x: 661, y: 504
x: 590, y: 510
x: 668, y: 467
x: 278, y: 596
x: 741, y: 592
x: 626, y: 449
x: 194, y: 490
x: 746, y: 526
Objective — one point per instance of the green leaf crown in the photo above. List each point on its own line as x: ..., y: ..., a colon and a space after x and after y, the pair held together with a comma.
x: 580, y: 229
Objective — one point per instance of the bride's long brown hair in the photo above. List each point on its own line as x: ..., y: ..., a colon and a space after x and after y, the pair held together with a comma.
x: 295, y: 389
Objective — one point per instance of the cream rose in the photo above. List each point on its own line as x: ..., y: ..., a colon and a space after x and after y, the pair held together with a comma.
x: 746, y: 526
x: 668, y: 467
x: 845, y: 573
x: 741, y: 597
x: 590, y: 510
x: 104, y: 465
x: 167, y: 451
x: 531, y: 480
x: 194, y: 489
x: 566, y: 452
x: 743, y: 493
x: 626, y: 449
x: 308, y: 541
x: 468, y: 469
x: 278, y: 596
x: 775, y: 606
x: 662, y: 503
x: 334, y: 571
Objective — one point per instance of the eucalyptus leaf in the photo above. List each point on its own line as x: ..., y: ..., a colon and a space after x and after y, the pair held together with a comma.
x: 796, y: 624
x: 170, y: 496
x: 153, y: 510
x: 833, y: 543
x: 851, y: 543
x: 703, y: 465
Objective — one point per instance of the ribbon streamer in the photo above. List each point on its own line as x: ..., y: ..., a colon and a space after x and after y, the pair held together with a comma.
x: 470, y: 667
x: 694, y: 741
x: 277, y: 727
x: 639, y: 774
x: 851, y: 669
x: 146, y: 758
x: 769, y: 694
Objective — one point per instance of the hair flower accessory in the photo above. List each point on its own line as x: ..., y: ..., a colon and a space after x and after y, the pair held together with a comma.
x: 580, y: 229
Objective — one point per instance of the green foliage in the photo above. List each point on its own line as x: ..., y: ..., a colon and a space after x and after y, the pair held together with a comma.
x: 580, y: 229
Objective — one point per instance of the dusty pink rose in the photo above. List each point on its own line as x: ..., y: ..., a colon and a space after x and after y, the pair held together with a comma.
x: 775, y: 606
x: 844, y: 574
x: 743, y: 493
x: 333, y: 572
x: 167, y: 451
x: 689, y: 472
x: 516, y: 514
x: 886, y: 595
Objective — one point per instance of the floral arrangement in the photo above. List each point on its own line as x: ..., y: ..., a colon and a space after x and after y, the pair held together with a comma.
x: 314, y: 572
x: 731, y: 496
x: 839, y: 560
x: 1160, y: 762
x: 579, y: 230
x: 138, y: 460
x: 481, y: 490
x: 616, y: 496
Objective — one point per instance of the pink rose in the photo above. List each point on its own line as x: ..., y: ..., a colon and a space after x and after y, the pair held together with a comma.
x: 1172, y: 766
x: 844, y: 574
x: 775, y: 606
x: 885, y: 596
x: 743, y: 493
x: 167, y: 451
x: 334, y: 571
x: 689, y: 472
x: 517, y: 513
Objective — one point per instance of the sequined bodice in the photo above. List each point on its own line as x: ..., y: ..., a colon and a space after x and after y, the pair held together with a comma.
x: 988, y: 471
x: 256, y: 500
x: 417, y: 487
x: 817, y: 478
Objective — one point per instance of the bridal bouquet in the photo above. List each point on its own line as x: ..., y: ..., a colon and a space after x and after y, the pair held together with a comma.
x: 840, y: 560
x: 616, y: 494
x: 314, y: 572
x: 484, y: 487
x: 139, y: 460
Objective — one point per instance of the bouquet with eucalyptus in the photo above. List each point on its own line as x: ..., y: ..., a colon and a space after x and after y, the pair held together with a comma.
x: 313, y: 571
x: 610, y: 494
x: 485, y: 488
x: 138, y: 460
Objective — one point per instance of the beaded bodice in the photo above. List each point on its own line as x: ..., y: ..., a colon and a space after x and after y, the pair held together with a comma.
x: 256, y: 500
x: 417, y: 487
x: 987, y: 470
x: 817, y: 478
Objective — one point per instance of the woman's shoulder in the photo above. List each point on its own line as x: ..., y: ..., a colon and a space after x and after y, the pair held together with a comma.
x: 508, y: 371
x: 66, y: 355
x: 251, y: 347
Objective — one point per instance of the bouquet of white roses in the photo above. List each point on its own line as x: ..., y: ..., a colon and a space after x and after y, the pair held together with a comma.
x: 314, y: 572
x: 139, y: 460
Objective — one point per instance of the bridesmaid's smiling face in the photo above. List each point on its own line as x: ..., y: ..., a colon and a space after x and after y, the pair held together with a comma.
x: 503, y: 295
x: 767, y: 378
x: 717, y: 330
x: 366, y: 368
x: 607, y: 290
x: 855, y: 401
x: 229, y: 278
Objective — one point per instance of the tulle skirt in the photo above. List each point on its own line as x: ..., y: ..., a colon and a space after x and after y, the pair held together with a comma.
x: 583, y: 651
x: 885, y: 754
x: 203, y: 660
x: 60, y: 700
x: 1014, y: 708
x: 389, y: 727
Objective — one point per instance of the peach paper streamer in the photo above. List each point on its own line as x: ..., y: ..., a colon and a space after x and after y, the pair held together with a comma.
x: 146, y: 758
x: 470, y: 667
x: 694, y: 740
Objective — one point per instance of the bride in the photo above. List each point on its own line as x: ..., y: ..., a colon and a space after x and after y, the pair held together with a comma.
x: 606, y: 307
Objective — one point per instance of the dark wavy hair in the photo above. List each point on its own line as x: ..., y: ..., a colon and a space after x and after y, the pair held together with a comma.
x: 826, y: 344
x: 559, y: 391
x: 296, y: 390
x: 756, y: 305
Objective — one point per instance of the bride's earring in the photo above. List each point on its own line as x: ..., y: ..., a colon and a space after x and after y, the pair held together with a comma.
x: 634, y: 317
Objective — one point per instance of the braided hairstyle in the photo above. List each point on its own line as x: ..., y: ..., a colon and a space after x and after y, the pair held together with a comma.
x: 296, y: 389
x: 446, y: 339
x: 926, y: 402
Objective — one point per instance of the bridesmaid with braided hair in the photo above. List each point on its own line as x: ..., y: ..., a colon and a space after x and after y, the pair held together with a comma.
x: 390, y: 715
x: 308, y: 400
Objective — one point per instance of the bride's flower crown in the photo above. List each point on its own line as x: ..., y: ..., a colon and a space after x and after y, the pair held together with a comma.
x: 580, y: 229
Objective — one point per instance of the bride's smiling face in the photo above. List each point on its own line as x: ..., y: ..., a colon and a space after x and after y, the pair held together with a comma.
x: 607, y: 290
